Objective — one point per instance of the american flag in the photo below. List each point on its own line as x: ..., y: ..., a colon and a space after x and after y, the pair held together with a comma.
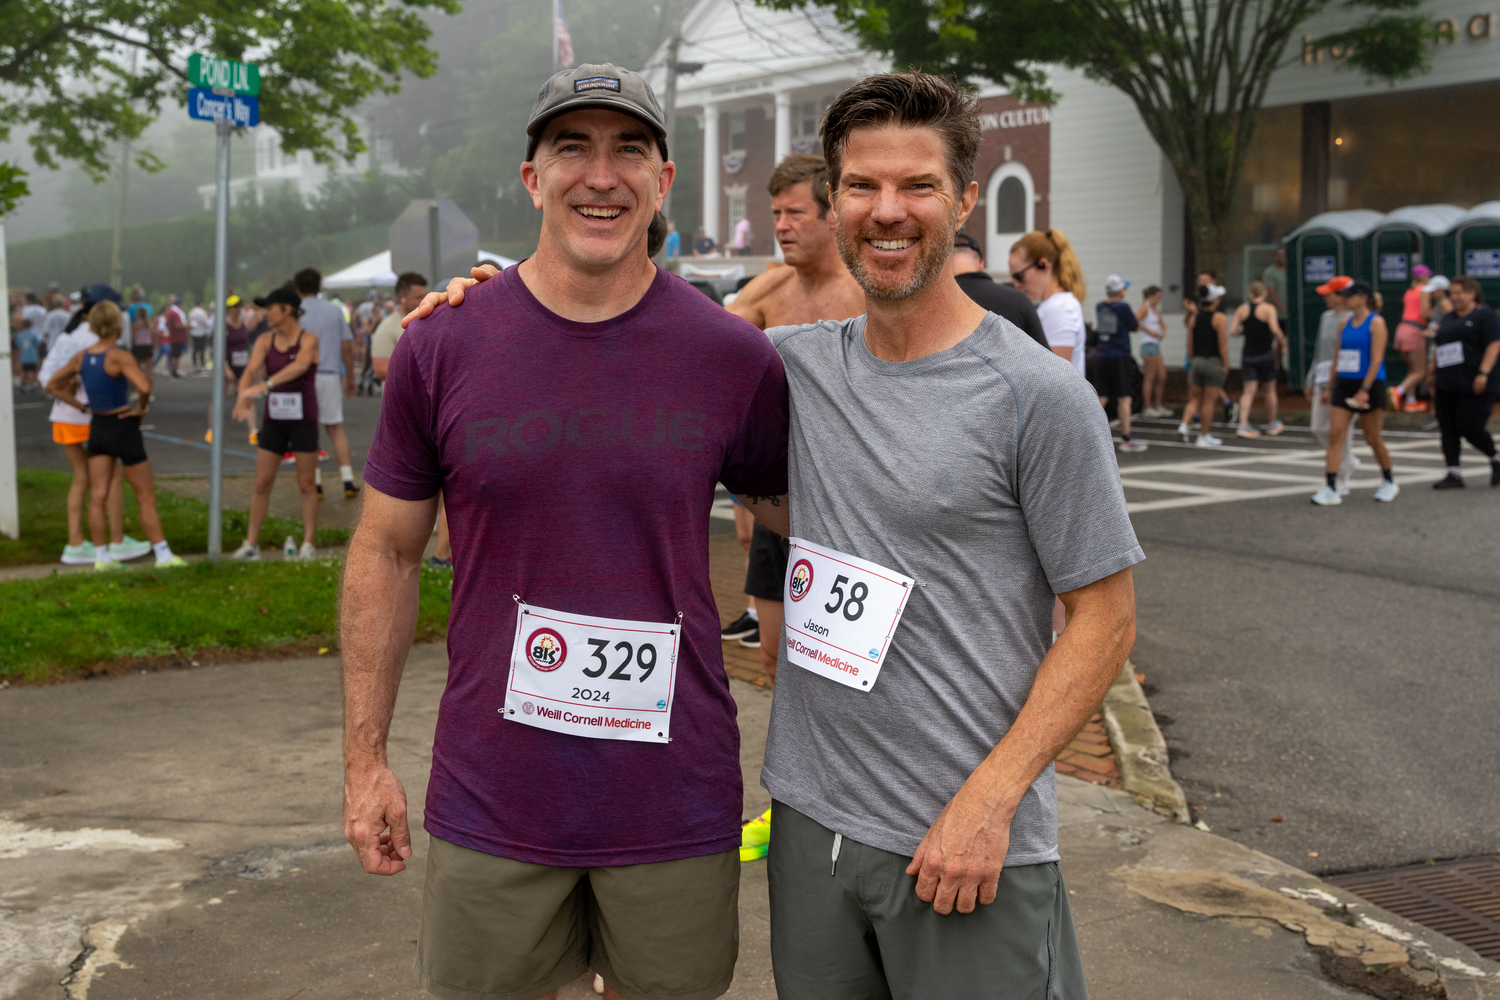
x: 563, y: 49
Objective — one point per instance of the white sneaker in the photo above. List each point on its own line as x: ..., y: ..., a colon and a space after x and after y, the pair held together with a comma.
x: 128, y: 548
x: 246, y: 552
x: 1187, y: 435
x: 1327, y: 497
x: 1387, y: 491
x: 1246, y: 432
x: 1129, y: 447
x: 1208, y: 441
x: 307, y: 552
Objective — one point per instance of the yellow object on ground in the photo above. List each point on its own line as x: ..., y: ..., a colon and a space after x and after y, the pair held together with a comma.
x: 755, y: 837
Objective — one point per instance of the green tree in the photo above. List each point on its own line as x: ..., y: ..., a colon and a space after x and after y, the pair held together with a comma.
x: 82, y: 75
x: 1196, y: 70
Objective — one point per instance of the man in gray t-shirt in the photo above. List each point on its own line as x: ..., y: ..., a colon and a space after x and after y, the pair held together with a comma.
x: 335, y: 377
x: 940, y: 443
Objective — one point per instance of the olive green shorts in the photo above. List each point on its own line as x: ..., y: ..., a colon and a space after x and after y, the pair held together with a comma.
x: 855, y: 930
x: 496, y: 927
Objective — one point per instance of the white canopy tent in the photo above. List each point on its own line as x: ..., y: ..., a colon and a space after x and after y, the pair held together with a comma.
x: 375, y: 272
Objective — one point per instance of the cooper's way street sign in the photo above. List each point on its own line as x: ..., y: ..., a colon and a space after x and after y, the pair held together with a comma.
x: 237, y: 109
x: 223, y: 74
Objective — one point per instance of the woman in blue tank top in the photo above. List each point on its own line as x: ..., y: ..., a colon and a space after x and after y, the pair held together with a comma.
x: 1358, y: 387
x: 107, y: 372
x: 288, y: 356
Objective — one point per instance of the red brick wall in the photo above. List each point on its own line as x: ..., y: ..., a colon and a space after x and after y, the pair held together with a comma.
x: 1026, y: 130
x: 760, y: 156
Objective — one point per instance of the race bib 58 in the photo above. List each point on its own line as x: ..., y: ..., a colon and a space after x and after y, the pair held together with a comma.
x: 840, y: 613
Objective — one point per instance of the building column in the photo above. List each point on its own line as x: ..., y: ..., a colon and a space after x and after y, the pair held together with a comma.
x: 1317, y: 128
x: 711, y: 173
x: 783, y: 125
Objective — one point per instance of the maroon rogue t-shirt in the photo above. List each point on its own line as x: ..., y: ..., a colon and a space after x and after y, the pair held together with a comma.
x: 578, y: 463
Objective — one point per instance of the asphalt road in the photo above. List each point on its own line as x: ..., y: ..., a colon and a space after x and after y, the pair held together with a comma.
x: 1335, y: 667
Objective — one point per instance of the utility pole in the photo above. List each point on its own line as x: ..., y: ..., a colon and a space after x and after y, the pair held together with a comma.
x: 674, y: 49
x: 117, y: 266
x: 10, y: 510
x: 221, y: 280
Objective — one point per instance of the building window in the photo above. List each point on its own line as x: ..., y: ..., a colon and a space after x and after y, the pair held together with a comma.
x: 736, y: 195
x: 736, y: 131
x: 1010, y: 210
x: 805, y: 119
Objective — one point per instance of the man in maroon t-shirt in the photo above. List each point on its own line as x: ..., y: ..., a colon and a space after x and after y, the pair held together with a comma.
x: 177, y: 333
x: 577, y: 414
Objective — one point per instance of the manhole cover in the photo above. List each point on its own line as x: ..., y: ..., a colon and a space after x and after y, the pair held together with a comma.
x: 1458, y: 898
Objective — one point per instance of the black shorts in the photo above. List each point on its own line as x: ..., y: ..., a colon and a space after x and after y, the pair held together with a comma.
x: 1116, y: 377
x: 282, y: 436
x: 177, y: 350
x: 142, y: 352
x: 1258, y: 368
x: 765, y: 579
x: 1345, y: 388
x: 118, y: 437
x: 28, y: 367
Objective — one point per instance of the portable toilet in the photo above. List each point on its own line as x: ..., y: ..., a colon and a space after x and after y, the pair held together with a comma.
x: 1403, y: 239
x: 1322, y: 247
x: 1473, y: 248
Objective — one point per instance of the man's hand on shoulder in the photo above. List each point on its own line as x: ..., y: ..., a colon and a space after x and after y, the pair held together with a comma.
x: 453, y: 296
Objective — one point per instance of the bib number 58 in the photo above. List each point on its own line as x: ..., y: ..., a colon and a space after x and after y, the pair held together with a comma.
x: 854, y: 605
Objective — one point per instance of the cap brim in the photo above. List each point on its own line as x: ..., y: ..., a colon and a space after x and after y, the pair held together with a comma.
x: 597, y: 100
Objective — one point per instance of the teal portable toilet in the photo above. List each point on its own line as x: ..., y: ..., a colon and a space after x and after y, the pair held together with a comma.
x: 1403, y: 239
x: 1322, y: 247
x: 1473, y: 247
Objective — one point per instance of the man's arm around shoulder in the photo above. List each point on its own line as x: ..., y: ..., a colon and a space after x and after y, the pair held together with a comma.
x: 377, y: 623
x: 749, y: 304
x: 958, y: 863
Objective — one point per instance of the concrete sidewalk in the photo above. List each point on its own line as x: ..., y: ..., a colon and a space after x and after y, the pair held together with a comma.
x: 178, y: 835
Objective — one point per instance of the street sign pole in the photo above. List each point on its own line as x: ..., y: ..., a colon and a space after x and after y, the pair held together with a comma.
x: 221, y: 267
x: 10, y: 510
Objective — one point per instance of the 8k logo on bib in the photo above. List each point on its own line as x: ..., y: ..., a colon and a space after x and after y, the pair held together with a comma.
x: 546, y: 650
x: 801, y: 582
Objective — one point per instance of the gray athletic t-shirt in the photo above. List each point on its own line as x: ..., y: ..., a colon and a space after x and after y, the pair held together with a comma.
x: 325, y: 321
x: 985, y: 472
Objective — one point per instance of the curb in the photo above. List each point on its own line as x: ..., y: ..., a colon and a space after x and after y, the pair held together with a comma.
x: 1140, y: 749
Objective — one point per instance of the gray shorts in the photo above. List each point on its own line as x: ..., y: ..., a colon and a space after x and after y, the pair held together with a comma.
x: 1207, y: 372
x: 857, y: 931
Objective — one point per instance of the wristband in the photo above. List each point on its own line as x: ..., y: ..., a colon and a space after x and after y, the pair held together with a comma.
x: 1484, y: 373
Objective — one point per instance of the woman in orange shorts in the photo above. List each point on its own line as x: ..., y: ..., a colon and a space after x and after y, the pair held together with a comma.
x: 1411, y: 340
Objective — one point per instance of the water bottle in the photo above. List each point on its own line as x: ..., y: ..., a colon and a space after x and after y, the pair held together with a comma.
x: 289, y: 548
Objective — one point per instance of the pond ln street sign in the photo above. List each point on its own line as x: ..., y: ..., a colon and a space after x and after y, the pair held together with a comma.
x: 223, y: 74
x: 238, y: 110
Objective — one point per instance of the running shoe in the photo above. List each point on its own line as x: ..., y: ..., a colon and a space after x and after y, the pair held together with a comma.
x: 752, y: 641
x: 1415, y: 406
x: 1274, y: 429
x: 320, y: 491
x: 1186, y: 433
x: 1131, y: 447
x: 1394, y: 396
x: 1431, y: 425
x: 322, y: 455
x: 350, y: 490
x: 288, y: 459
x: 1246, y: 431
x: 739, y: 628
x: 247, y: 552
x: 436, y: 563
x: 78, y: 555
x: 109, y: 565
x: 1387, y: 491
x: 171, y: 562
x: 254, y: 438
x: 1206, y: 440
x: 1452, y: 481
x: 128, y: 548
x: 208, y: 436
x: 307, y: 553
x: 755, y: 837
x: 1327, y: 497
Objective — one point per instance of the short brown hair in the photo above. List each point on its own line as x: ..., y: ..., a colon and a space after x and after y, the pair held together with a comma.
x: 908, y: 100
x: 798, y: 167
x: 405, y: 282
x: 1469, y: 285
x: 105, y: 320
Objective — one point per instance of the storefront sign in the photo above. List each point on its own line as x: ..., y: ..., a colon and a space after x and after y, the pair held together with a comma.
x: 1482, y: 263
x: 1476, y: 28
x: 1317, y: 270
x: 1019, y: 118
x: 1393, y: 267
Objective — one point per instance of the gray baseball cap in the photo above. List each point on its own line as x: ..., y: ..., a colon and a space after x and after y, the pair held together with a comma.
x: 596, y: 85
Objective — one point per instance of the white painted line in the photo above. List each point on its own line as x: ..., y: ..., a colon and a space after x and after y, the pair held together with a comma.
x: 1209, y: 491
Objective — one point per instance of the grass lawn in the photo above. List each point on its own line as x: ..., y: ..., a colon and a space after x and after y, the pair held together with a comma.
x: 43, y: 497
x: 111, y: 622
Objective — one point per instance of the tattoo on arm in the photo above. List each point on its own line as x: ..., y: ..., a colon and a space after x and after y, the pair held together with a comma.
x: 773, y: 501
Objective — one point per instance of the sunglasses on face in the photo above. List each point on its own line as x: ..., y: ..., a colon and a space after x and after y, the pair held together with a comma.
x: 1017, y: 275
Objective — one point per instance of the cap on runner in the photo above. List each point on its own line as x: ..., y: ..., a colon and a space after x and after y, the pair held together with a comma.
x: 1333, y: 286
x: 596, y: 85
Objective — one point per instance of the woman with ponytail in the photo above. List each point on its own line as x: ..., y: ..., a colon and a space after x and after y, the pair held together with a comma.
x: 1043, y: 265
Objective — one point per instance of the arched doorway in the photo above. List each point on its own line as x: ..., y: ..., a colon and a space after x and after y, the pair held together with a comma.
x: 1010, y: 210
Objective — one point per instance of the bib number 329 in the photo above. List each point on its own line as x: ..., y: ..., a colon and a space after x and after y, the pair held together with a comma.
x: 840, y: 613
x: 605, y: 678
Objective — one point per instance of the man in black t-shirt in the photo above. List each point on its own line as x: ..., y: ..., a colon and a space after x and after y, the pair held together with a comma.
x: 1467, y: 348
x: 1002, y: 300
